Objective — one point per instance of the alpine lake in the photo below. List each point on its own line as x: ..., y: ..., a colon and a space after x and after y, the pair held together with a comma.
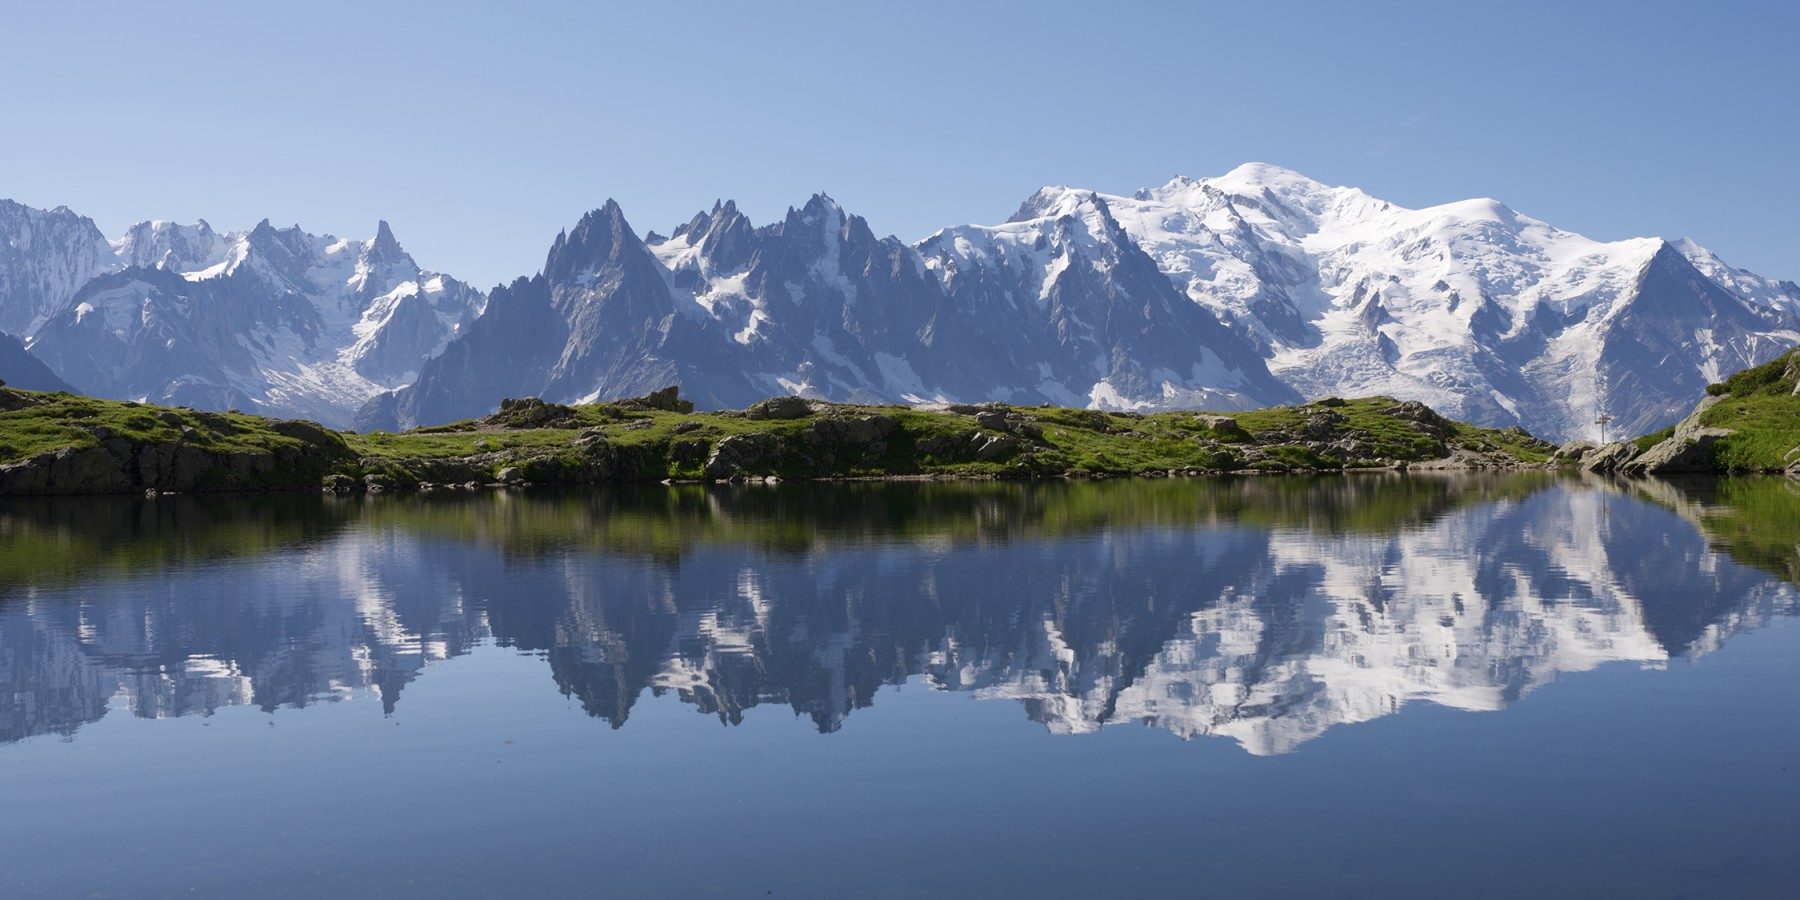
x: 1424, y: 684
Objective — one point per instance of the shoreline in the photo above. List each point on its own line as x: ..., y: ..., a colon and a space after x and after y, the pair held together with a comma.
x: 67, y: 445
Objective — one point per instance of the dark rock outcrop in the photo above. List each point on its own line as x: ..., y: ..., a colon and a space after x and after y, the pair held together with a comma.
x: 779, y: 408
x: 116, y: 465
x: 1690, y: 449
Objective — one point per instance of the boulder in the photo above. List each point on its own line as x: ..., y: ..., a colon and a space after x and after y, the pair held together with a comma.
x: 1680, y: 454
x: 788, y: 407
x: 667, y: 399
x: 1573, y: 451
x: 1690, y: 449
x: 1223, y: 426
x: 1610, y: 458
x: 995, y: 447
x: 743, y: 454
x: 532, y: 412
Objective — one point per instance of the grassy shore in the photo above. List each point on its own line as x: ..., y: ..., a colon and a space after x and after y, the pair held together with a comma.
x: 61, y: 443
x: 1760, y: 408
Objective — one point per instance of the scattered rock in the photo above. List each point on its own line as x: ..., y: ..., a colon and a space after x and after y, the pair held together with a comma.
x: 1423, y: 418
x: 1322, y: 426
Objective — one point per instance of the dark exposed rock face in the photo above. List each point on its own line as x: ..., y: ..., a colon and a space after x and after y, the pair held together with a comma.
x: 667, y: 399
x: 830, y: 443
x: 116, y: 466
x: 530, y: 412
x: 1610, y: 458
x: 779, y: 408
x: 598, y: 323
x: 757, y: 453
x: 1689, y: 449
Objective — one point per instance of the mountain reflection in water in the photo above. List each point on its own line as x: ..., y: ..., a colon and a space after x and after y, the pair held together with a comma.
x: 1261, y: 610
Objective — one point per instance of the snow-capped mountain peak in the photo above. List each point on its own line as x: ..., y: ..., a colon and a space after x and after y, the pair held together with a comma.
x: 1479, y: 310
x: 271, y: 319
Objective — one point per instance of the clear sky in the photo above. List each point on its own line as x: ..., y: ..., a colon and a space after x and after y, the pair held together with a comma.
x: 479, y: 135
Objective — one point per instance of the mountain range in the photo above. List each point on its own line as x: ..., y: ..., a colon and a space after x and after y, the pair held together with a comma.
x: 1250, y: 289
x: 269, y: 320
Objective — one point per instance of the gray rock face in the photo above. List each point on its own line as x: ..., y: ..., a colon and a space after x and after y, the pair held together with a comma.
x: 779, y: 408
x: 1574, y: 450
x: 743, y: 454
x: 1073, y: 312
x: 117, y: 466
x: 1609, y: 458
x: 1689, y: 449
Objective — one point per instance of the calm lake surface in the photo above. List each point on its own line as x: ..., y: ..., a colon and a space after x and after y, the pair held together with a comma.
x: 1456, y: 685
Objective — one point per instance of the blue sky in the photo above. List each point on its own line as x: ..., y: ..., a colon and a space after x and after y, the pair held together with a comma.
x: 479, y: 135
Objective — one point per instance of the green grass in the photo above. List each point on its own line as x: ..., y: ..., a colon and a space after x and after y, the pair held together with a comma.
x: 1653, y: 438
x: 68, y: 420
x: 1759, y: 407
x: 647, y: 444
